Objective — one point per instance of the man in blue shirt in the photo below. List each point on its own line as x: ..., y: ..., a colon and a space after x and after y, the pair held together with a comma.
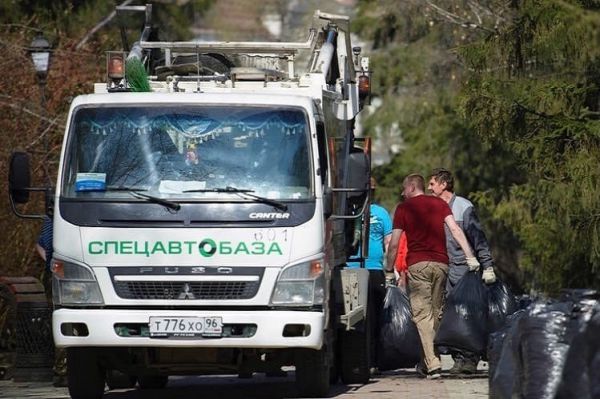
x: 44, y: 244
x: 380, y: 234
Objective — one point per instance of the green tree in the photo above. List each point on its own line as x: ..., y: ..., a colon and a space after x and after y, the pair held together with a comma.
x: 534, y: 88
x: 417, y: 78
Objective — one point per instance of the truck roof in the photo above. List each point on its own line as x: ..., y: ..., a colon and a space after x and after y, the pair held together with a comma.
x: 298, y: 97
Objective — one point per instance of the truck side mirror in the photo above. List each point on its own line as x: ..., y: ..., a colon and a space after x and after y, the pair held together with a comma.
x: 327, y: 202
x: 19, y: 177
x: 359, y: 172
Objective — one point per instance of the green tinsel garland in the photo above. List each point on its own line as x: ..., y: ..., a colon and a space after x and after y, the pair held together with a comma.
x: 136, y: 76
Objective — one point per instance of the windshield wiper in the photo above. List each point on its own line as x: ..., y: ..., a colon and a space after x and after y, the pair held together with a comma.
x: 157, y: 200
x: 244, y: 191
x: 135, y: 191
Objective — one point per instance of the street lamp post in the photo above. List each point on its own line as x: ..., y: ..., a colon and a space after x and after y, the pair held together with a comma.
x: 40, y: 51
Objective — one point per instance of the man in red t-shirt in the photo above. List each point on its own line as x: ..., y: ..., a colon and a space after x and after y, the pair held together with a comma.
x: 422, y: 217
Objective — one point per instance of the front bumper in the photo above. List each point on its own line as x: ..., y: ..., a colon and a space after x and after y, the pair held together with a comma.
x: 269, y: 328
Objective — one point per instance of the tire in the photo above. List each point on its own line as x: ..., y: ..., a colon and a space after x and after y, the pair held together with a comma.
x: 312, y: 373
x: 335, y: 368
x: 355, y: 355
x: 118, y: 380
x: 86, y: 376
x: 153, y: 381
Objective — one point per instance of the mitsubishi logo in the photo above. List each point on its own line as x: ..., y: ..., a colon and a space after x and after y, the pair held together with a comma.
x: 186, y: 293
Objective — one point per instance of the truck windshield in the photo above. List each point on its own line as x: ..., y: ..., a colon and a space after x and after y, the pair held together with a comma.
x: 181, y: 152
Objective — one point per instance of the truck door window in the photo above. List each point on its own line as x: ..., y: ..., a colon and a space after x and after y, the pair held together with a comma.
x: 171, y: 151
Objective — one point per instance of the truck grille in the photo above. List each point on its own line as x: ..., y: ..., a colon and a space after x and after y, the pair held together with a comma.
x: 186, y: 283
x: 186, y: 291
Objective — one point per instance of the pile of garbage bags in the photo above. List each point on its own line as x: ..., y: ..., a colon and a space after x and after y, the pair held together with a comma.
x: 548, y: 350
x: 536, y: 348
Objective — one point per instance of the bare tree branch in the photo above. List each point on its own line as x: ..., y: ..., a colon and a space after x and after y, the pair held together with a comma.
x: 30, y: 112
x: 479, y: 14
x: 99, y: 26
x: 51, y: 126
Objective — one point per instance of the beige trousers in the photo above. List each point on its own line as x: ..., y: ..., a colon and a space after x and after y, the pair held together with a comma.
x: 426, y: 287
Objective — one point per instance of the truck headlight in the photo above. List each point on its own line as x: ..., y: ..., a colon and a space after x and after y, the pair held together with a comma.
x: 74, y: 284
x: 301, y: 285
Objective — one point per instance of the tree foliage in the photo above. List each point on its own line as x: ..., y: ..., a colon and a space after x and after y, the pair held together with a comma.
x: 534, y: 88
x: 418, y: 77
x: 506, y: 94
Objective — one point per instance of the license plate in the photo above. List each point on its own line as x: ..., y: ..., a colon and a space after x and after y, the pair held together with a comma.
x: 185, y: 326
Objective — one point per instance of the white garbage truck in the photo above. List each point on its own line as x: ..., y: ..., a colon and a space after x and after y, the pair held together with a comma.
x: 202, y: 225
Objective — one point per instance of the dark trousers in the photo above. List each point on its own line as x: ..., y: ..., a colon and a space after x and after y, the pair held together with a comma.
x: 375, y: 307
x: 60, y: 354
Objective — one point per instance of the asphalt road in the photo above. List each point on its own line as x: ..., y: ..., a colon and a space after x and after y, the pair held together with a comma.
x: 390, y: 384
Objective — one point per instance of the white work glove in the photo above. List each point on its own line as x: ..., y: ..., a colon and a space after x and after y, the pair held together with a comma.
x: 473, y: 264
x: 488, y: 276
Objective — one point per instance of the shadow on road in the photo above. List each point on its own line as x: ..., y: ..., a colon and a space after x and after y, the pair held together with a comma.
x: 221, y: 387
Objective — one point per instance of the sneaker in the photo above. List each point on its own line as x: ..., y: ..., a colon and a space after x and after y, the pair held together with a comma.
x: 434, y: 374
x: 457, y: 367
x: 469, y: 367
x: 374, y: 371
x: 430, y: 375
x: 463, y: 366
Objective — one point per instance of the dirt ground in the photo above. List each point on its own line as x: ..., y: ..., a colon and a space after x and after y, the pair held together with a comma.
x: 388, y: 385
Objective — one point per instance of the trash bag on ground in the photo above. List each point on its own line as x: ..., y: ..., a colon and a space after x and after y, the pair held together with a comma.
x: 578, y: 294
x: 581, y: 373
x: 548, y: 350
x: 464, y: 322
x: 545, y: 336
x: 399, y: 342
x: 523, y: 301
x: 501, y: 303
x: 504, y: 360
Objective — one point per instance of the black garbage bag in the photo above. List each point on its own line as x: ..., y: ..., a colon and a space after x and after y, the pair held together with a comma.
x: 494, y: 349
x: 504, y: 359
x: 523, y: 301
x: 464, y: 322
x: 545, y: 336
x: 501, y: 303
x: 581, y: 372
x: 399, y: 342
x: 578, y: 295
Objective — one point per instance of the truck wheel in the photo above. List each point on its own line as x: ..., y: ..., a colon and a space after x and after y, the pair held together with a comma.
x: 118, y: 380
x: 354, y: 355
x: 334, y: 369
x: 153, y: 381
x: 85, y: 374
x: 312, y: 373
